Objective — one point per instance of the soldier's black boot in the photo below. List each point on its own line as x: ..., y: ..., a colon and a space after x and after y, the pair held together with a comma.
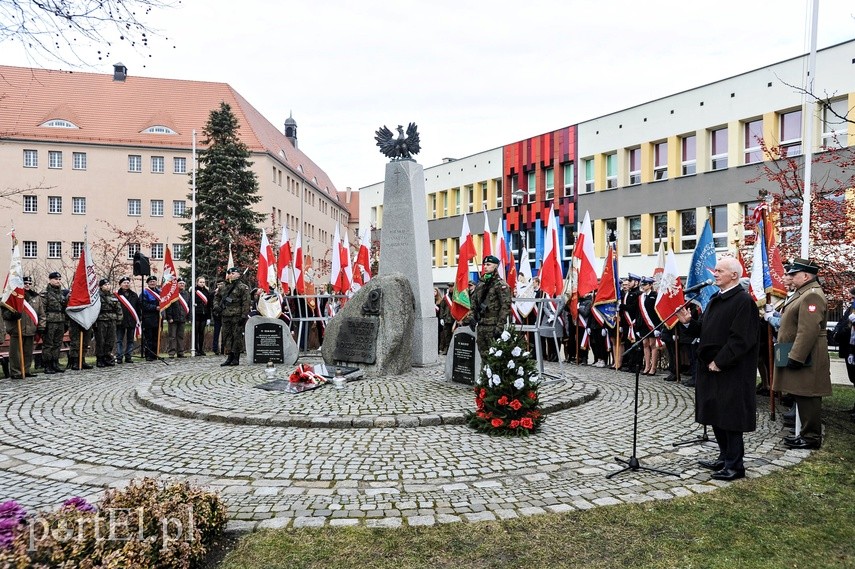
x: 236, y: 360
x: 85, y: 365
x: 109, y: 362
x: 128, y: 359
x: 72, y: 365
x: 56, y: 367
x: 228, y: 362
x: 48, y: 368
x: 99, y: 362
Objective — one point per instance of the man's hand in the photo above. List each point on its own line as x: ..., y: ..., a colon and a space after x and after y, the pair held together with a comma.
x: 713, y: 367
x: 656, y: 333
x: 851, y: 360
x: 684, y: 316
x: 793, y: 364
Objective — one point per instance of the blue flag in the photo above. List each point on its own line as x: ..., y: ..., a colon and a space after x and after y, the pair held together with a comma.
x: 703, y: 263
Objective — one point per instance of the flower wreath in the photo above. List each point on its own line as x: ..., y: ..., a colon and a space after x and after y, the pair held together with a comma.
x: 306, y: 374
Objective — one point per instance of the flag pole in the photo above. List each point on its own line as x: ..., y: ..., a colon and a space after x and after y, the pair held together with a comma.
x: 80, y: 352
x: 21, y: 350
x: 193, y: 254
x: 769, y: 339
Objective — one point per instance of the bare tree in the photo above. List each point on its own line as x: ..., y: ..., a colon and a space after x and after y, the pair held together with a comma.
x: 59, y: 30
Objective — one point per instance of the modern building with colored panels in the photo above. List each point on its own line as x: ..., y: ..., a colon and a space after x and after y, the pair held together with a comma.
x: 83, y: 149
x: 653, y: 172
x: 457, y: 187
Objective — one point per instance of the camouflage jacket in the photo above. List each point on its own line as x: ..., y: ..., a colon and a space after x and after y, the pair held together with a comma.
x: 492, y: 302
x: 111, y: 310
x: 232, y: 301
x: 54, y: 302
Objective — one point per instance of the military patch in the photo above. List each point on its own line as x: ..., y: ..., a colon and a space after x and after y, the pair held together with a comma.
x: 811, y: 307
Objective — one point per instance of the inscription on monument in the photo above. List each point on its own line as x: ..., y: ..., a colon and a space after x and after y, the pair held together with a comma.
x: 357, y: 340
x: 463, y: 363
x: 268, y: 344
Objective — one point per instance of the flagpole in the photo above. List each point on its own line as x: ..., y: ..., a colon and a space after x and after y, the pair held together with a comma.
x: 80, y: 352
x: 807, y: 119
x: 193, y: 253
x: 769, y: 339
x: 21, y: 349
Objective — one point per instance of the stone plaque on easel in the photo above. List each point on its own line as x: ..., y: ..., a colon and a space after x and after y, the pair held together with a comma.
x: 463, y: 362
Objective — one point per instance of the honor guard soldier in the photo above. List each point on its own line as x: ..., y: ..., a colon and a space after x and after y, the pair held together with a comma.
x: 105, y: 325
x: 232, y: 304
x: 54, y: 302
x: 492, y: 304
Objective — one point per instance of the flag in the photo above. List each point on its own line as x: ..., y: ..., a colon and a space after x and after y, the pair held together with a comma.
x: 670, y: 295
x: 231, y: 258
x: 461, y: 303
x: 660, y: 262
x: 551, y: 276
x: 84, y: 302
x: 604, y: 307
x: 13, y: 291
x: 501, y: 251
x: 486, y: 241
x: 362, y: 266
x: 774, y: 263
x: 283, y: 266
x: 345, y: 258
x: 742, y: 261
x: 169, y: 287
x: 338, y: 275
x: 583, y: 255
x: 266, y: 275
x: 702, y: 266
x: 299, y: 277
x: 524, y: 286
x: 512, y: 271
x: 761, y: 278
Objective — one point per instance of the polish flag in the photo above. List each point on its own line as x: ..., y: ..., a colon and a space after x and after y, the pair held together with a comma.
x: 670, y: 295
x: 345, y: 259
x: 486, y: 241
x: 266, y: 276
x: 13, y: 291
x: 169, y: 288
x: 461, y: 303
x: 84, y: 302
x: 283, y: 268
x: 583, y: 255
x: 362, y: 266
x: 551, y: 276
x: 501, y: 250
x: 338, y: 278
x: 299, y: 277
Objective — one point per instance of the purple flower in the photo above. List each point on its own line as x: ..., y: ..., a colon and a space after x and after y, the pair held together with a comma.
x: 11, y: 517
x: 79, y: 504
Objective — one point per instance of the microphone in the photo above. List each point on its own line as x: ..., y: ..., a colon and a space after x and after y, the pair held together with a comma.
x: 698, y: 287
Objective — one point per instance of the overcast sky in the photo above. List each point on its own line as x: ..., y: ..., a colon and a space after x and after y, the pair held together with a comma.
x: 472, y: 75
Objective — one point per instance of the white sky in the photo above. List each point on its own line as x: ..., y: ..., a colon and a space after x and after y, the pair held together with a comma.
x: 472, y: 75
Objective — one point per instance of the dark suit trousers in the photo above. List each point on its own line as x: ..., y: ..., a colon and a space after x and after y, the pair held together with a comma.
x: 731, y: 448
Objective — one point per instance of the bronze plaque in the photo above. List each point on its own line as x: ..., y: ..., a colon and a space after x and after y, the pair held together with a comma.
x: 357, y: 340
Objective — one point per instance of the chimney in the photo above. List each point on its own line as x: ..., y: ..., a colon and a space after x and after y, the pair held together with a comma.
x: 120, y: 72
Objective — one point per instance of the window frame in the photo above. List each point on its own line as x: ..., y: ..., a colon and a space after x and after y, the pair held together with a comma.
x: 569, y: 181
x: 183, y: 208
x: 549, y: 184
x: 688, y: 165
x: 790, y: 147
x: 590, y: 175
x: 611, y: 171
x: 176, y: 160
x: 688, y: 241
x: 31, y: 158
x: 156, y: 208
x: 78, y: 161
x: 633, y: 158
x: 531, y: 189
x: 633, y: 235
x: 835, y: 137
x: 750, y: 151
x: 76, y: 249
x: 718, y: 161
x: 54, y: 249
x: 660, y: 169
x: 55, y: 205
x: 75, y: 202
x: 30, y: 200
x: 135, y: 163
x: 158, y: 165
x: 55, y: 159
x: 30, y: 249
x: 137, y: 202
x: 133, y: 248
x: 720, y: 238
x: 158, y: 251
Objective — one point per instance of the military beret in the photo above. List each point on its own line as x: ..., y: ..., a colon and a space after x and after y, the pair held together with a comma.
x: 102, y: 282
x: 54, y: 275
x: 28, y: 280
x: 491, y: 259
x: 180, y: 280
x: 124, y: 280
x: 802, y: 266
x: 233, y: 270
x: 151, y: 278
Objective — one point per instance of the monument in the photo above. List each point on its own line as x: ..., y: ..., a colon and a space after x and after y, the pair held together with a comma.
x: 404, y: 243
x: 269, y: 340
x: 463, y: 363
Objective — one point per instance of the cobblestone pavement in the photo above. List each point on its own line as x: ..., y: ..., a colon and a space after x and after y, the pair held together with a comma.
x: 384, y: 453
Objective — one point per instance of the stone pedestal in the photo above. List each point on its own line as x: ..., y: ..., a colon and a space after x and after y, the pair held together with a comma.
x: 405, y: 248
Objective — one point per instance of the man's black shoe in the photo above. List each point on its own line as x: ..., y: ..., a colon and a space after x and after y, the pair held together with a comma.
x: 801, y: 443
x: 671, y: 377
x: 49, y: 370
x: 687, y: 383
x: 712, y: 464
x: 728, y: 474
x: 86, y: 366
x: 16, y: 376
x: 791, y: 438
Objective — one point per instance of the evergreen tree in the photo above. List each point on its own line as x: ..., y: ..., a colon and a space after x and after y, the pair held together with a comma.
x: 226, y: 189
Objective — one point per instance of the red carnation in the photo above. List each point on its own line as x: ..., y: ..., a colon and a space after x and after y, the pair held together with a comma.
x: 503, y: 400
x: 526, y: 423
x: 532, y: 395
x: 479, y: 403
x: 498, y: 423
x: 515, y: 405
x: 515, y: 424
x: 483, y: 393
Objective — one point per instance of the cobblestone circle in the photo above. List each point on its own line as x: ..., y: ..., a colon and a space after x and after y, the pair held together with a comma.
x: 382, y: 452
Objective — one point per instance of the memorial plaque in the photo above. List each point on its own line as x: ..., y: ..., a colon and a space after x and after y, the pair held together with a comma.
x: 269, y: 340
x: 357, y: 340
x: 463, y: 363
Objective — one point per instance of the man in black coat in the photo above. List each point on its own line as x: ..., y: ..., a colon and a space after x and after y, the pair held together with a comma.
x: 727, y: 368
x: 202, y: 304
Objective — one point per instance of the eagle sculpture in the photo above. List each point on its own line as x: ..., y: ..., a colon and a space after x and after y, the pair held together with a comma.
x: 402, y: 147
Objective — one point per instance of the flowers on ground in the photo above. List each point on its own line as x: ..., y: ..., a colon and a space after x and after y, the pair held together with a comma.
x: 305, y: 373
x: 506, y: 397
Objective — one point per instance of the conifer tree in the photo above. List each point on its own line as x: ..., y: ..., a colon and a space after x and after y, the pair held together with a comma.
x: 226, y: 190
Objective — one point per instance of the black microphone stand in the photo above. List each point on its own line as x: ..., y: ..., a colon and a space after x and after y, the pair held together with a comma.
x: 633, y: 463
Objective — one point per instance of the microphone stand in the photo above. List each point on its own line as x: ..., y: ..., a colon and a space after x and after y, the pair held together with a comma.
x: 632, y: 463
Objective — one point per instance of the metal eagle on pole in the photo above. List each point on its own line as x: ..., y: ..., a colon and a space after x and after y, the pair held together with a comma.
x: 402, y: 147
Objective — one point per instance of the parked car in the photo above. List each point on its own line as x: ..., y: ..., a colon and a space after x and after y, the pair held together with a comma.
x: 829, y: 329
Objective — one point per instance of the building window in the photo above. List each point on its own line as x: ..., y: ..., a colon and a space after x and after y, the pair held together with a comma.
x: 433, y: 253
x: 835, y: 126
x: 76, y: 249
x: 59, y: 123
x: 134, y: 163
x: 753, y: 134
x: 532, y: 186
x: 660, y: 226
x: 470, y: 199
x: 444, y: 253
x: 157, y: 208
x: 31, y: 249
x: 660, y: 161
x: 611, y: 229
x: 54, y: 249
x: 634, y: 159
x: 179, y: 208
x: 54, y: 159
x: 159, y: 129
x: 157, y: 250
x: 569, y: 242
x: 611, y: 171
x: 515, y: 185
x: 432, y: 210
x: 54, y: 204
x: 483, y: 195
x: 549, y: 185
x: 748, y: 223
x: 499, y: 194
x: 718, y: 148
x: 634, y: 232
x: 688, y: 230
x: 135, y: 207
x: 157, y: 165
x: 719, y: 226
x: 457, y: 197
x: 688, y: 155
x: 133, y: 248
x: 78, y: 206
x: 791, y: 134
x: 78, y: 160
x: 31, y: 204
x: 445, y: 197
x: 31, y: 158
x: 589, y: 175
x: 569, y: 179
x: 177, y: 250
x: 179, y: 165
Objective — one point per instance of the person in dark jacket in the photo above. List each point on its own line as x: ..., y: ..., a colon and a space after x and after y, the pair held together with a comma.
x: 176, y: 315
x: 727, y: 368
x: 105, y: 325
x: 54, y: 303
x: 150, y: 309
x: 26, y: 339
x: 202, y: 301
x: 126, y: 327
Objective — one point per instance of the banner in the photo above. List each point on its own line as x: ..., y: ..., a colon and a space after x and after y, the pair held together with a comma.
x: 84, y: 302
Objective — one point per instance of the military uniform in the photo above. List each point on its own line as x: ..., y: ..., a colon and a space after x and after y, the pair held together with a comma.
x: 105, y: 328
x: 28, y: 332
x: 232, y: 304
x: 807, y: 376
x: 54, y: 302
x: 491, y: 308
x: 75, y: 331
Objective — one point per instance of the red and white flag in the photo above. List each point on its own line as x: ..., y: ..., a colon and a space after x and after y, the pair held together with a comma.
x: 486, y: 241
x: 338, y: 278
x: 670, y: 295
x: 501, y: 251
x: 13, y: 290
x: 266, y: 276
x: 362, y: 266
x: 461, y: 303
x: 583, y: 259
x: 283, y: 268
x: 345, y: 257
x: 299, y: 277
x: 551, y: 275
x: 84, y: 302
x: 660, y: 262
x: 169, y: 288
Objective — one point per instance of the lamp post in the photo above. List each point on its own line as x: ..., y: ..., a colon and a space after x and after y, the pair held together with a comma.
x: 518, y: 197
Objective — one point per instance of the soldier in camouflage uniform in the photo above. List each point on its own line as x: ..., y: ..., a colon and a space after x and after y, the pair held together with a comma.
x: 232, y: 303
x: 105, y: 326
x: 54, y: 302
x: 491, y: 304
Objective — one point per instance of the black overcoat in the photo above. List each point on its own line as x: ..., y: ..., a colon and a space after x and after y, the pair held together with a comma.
x: 728, y: 331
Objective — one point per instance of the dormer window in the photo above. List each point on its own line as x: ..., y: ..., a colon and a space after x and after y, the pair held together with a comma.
x: 159, y: 129
x: 59, y: 123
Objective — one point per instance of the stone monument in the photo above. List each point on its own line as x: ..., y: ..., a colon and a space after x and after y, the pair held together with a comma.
x: 269, y: 340
x: 463, y: 363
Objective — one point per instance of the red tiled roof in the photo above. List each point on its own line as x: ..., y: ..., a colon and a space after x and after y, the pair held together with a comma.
x: 115, y: 112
